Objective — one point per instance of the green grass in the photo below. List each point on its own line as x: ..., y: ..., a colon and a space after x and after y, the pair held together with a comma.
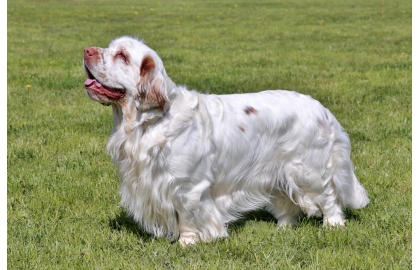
x: 63, y: 189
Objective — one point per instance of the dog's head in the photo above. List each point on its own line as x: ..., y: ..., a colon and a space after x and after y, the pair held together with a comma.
x: 127, y: 73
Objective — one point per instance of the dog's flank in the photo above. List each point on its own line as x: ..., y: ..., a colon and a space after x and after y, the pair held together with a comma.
x: 191, y: 163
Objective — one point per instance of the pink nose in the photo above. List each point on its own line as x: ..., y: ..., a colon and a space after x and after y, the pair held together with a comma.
x: 89, y: 52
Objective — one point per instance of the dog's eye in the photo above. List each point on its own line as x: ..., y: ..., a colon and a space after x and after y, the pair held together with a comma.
x: 123, y: 56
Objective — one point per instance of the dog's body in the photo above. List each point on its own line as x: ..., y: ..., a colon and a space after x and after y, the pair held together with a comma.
x: 190, y: 163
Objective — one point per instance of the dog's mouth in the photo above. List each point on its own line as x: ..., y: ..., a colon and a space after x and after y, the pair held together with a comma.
x: 93, y: 86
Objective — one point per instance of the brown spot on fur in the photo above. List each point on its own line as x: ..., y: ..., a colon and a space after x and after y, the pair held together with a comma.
x: 103, y: 77
x: 242, y: 129
x: 248, y: 110
x: 142, y: 95
x: 149, y: 88
x: 153, y: 96
x: 147, y: 65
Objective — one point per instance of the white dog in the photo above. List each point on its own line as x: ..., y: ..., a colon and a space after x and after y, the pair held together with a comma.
x: 190, y: 163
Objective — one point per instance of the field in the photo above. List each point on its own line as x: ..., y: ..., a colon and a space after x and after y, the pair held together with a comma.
x: 63, y: 209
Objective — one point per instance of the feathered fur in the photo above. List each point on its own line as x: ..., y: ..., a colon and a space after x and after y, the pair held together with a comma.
x: 191, y: 163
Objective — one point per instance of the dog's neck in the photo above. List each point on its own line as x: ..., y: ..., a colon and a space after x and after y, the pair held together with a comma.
x: 170, y: 88
x: 131, y: 117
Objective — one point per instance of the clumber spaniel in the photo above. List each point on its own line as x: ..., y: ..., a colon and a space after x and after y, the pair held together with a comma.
x: 190, y: 163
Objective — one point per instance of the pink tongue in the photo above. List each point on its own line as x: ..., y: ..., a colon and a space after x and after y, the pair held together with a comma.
x: 94, y: 85
x: 89, y: 82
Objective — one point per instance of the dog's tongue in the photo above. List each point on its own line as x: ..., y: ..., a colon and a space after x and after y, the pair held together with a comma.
x: 94, y: 85
x: 89, y: 82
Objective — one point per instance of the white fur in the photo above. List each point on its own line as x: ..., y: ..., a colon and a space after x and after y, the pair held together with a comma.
x: 191, y: 163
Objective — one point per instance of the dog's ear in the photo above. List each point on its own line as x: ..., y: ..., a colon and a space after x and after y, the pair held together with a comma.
x: 152, y: 88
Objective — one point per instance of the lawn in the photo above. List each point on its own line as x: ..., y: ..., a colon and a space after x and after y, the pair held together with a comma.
x: 63, y: 209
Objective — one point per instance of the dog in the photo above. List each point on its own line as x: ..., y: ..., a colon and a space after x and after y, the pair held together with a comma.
x: 191, y: 163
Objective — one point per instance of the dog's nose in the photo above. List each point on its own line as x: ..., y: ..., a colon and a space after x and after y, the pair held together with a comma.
x: 89, y: 52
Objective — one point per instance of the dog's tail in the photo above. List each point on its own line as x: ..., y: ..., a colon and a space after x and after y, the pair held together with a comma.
x: 349, y: 190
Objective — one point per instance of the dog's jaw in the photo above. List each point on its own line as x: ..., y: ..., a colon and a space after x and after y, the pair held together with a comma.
x: 100, y: 92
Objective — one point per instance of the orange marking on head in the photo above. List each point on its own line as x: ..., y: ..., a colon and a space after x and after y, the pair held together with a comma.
x: 147, y: 66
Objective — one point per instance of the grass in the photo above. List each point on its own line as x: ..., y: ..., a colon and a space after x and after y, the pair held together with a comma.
x: 62, y: 189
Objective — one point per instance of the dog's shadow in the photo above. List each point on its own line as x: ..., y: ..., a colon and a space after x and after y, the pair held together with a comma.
x: 123, y: 221
x: 264, y: 216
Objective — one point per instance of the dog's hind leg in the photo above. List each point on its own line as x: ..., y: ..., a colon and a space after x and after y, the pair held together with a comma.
x: 331, y: 208
x: 343, y: 190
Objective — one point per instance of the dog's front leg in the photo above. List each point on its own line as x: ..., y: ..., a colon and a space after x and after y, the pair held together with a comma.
x: 204, y: 223
x: 198, y: 216
x: 187, y: 234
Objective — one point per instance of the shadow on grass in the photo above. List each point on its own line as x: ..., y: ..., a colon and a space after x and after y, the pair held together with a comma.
x: 264, y: 216
x: 123, y: 221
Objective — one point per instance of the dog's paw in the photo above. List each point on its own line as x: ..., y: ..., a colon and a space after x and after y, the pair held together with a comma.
x: 287, y: 221
x: 286, y: 225
x: 188, y: 239
x: 334, y: 221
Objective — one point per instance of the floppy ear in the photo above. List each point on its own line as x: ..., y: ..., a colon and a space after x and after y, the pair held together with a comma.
x: 152, y: 88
